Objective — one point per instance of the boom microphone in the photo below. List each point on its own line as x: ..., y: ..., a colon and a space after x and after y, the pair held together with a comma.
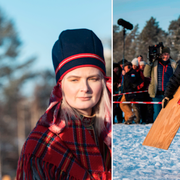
x: 125, y: 24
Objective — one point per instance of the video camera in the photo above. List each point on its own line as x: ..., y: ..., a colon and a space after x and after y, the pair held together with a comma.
x: 155, y: 52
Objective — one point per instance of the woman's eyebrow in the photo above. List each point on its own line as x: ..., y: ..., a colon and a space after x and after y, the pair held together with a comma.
x: 73, y: 76
x: 77, y: 76
x: 94, y: 75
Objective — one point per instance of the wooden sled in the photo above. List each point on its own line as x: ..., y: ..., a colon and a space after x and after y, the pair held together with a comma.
x: 166, y: 125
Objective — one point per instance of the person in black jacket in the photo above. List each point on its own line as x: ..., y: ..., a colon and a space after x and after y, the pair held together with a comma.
x: 116, y: 83
x: 172, y: 86
x: 132, y: 82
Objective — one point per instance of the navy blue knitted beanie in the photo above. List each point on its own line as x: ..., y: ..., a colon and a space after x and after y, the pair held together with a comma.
x: 77, y: 48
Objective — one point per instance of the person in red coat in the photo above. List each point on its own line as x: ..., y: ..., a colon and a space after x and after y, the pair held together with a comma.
x: 72, y: 140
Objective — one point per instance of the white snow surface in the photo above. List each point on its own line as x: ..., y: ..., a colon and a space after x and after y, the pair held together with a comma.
x: 132, y: 160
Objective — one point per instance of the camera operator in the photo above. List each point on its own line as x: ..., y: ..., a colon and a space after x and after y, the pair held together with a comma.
x: 159, y: 69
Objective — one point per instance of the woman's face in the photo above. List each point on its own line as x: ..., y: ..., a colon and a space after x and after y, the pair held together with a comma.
x: 82, y: 88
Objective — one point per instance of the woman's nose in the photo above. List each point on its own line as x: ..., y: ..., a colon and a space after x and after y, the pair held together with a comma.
x: 85, y: 86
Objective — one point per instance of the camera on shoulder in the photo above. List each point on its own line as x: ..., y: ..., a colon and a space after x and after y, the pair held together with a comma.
x: 155, y: 52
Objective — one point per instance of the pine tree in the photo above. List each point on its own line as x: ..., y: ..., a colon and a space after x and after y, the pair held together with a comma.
x: 13, y: 74
x: 174, y: 38
x: 117, y: 44
x: 130, y: 44
x: 151, y: 35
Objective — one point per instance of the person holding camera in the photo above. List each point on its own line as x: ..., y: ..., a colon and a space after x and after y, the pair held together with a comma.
x: 159, y: 70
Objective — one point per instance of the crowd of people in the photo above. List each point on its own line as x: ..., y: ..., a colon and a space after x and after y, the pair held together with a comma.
x: 151, y: 79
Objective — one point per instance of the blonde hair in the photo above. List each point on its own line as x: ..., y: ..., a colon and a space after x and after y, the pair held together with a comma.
x: 101, y: 109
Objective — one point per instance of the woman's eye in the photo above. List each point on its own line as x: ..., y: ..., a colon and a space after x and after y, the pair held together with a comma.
x: 74, y: 80
x: 94, y: 79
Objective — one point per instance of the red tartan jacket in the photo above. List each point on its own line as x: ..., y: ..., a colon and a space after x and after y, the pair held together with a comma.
x: 70, y: 153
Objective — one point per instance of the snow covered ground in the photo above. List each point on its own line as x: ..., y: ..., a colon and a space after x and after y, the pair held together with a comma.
x: 132, y: 160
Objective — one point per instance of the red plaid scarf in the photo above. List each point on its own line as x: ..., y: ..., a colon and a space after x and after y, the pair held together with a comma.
x: 70, y: 150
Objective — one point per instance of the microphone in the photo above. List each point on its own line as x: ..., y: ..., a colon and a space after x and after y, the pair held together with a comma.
x: 125, y: 24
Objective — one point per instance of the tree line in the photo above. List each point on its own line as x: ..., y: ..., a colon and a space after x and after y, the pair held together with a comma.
x: 19, y: 113
x: 137, y: 43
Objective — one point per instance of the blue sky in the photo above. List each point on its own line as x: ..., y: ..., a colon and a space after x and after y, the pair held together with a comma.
x: 140, y: 11
x: 39, y: 23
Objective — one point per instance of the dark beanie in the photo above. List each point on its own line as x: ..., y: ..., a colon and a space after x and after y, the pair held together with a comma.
x: 121, y: 61
x: 77, y: 48
x: 127, y: 64
x: 166, y: 50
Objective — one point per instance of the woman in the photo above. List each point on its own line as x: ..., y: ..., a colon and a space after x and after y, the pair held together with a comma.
x: 72, y: 139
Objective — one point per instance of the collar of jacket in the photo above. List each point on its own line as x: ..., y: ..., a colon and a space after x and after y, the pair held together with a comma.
x: 173, y: 65
x: 87, y: 120
x: 164, y: 62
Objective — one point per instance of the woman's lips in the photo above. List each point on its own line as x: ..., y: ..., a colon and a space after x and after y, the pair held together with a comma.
x: 84, y: 98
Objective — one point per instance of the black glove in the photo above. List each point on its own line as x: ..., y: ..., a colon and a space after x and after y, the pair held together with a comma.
x: 165, y: 102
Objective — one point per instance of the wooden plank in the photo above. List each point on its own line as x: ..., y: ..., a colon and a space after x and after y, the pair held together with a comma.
x: 166, y: 125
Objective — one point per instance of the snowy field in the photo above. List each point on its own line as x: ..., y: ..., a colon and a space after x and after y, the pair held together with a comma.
x: 132, y: 160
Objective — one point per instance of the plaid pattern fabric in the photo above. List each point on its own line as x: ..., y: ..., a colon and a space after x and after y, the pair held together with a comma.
x: 64, y: 152
x: 72, y: 153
